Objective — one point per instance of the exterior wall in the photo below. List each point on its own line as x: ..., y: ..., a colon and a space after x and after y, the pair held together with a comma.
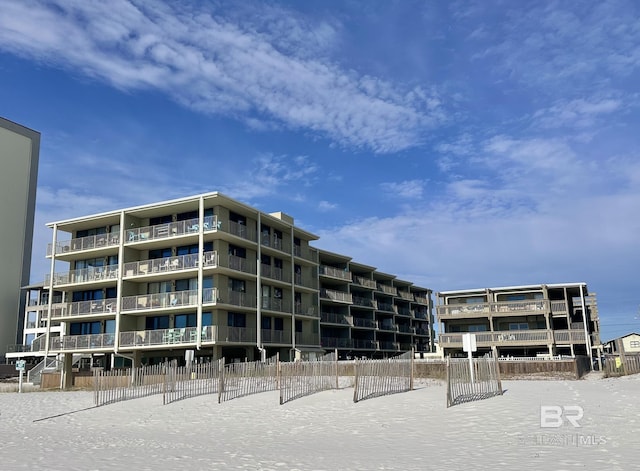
x: 631, y: 343
x: 19, y: 151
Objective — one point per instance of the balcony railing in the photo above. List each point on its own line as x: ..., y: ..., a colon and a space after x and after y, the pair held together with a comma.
x: 148, y: 338
x: 406, y: 329
x: 86, y: 308
x: 420, y: 314
x: 82, y: 342
x: 333, y: 318
x: 388, y: 326
x: 334, y: 295
x: 364, y: 302
x: 406, y: 295
x: 306, y: 310
x: 84, y: 275
x: 387, y: 289
x: 403, y: 311
x: 558, y: 307
x: 275, y: 336
x: 336, y: 342
x: 159, y: 300
x: 275, y: 304
x: 275, y: 273
x: 387, y: 307
x: 241, y: 230
x: 85, y: 243
x: 160, y: 265
x: 455, y: 311
x: 171, y: 229
x: 241, y: 264
x: 568, y: 336
x: 305, y: 253
x: 421, y: 300
x: 367, y: 283
x: 366, y: 323
x: 502, y: 338
x: 365, y: 344
x: 341, y: 274
x: 307, y: 338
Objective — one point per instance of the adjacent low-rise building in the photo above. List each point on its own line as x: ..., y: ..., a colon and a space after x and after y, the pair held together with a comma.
x: 521, y: 321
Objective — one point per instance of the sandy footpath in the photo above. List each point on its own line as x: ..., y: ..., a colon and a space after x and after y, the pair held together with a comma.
x: 327, y: 431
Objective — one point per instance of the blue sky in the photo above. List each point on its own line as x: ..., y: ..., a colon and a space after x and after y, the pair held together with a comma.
x: 455, y: 144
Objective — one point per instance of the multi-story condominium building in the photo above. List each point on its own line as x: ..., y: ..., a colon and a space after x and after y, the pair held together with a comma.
x: 210, y: 277
x: 19, y: 151
x: 536, y: 320
x: 368, y: 313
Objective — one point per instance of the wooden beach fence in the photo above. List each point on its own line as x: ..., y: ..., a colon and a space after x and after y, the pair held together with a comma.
x: 244, y: 379
x: 131, y: 383
x: 191, y: 381
x: 302, y: 378
x: 623, y: 364
x: 374, y: 378
x: 463, y: 387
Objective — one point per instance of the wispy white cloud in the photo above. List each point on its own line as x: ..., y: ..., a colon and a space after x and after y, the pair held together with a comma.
x: 216, y: 64
x: 325, y: 206
x: 410, y: 189
x: 578, y: 113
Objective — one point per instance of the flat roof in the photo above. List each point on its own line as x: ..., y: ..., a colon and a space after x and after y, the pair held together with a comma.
x: 512, y: 288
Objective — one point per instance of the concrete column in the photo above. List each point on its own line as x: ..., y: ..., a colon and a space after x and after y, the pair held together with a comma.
x: 67, y: 373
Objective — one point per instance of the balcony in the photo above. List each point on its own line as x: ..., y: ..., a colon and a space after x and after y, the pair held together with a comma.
x: 275, y: 304
x: 85, y: 243
x: 405, y: 295
x: 99, y: 307
x: 338, y: 296
x: 336, y: 342
x: 84, y: 275
x: 275, y: 273
x: 275, y: 336
x: 386, y: 307
x: 165, y: 337
x: 421, y: 300
x: 332, y: 272
x: 306, y: 310
x: 388, y: 326
x: 406, y: 329
x: 568, y: 336
x: 403, y: 311
x: 82, y: 342
x: 171, y: 229
x: 366, y: 323
x: 420, y: 314
x: 240, y: 264
x: 308, y: 339
x: 164, y: 265
x: 305, y: 253
x: 501, y: 339
x: 512, y: 308
x: 365, y: 344
x: 395, y: 346
x: 364, y: 282
x: 387, y: 289
x: 332, y: 318
x: 363, y: 302
x: 559, y: 308
x: 240, y: 230
x: 147, y: 302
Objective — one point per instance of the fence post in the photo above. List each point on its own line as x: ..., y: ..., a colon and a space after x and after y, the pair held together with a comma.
x: 335, y: 360
x: 412, y: 364
x: 355, y: 380
x: 221, y: 380
x: 497, y: 363
x: 448, y: 384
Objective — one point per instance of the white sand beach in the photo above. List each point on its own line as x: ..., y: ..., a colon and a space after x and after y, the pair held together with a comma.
x: 327, y: 431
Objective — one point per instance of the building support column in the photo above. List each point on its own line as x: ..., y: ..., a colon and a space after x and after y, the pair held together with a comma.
x: 67, y: 371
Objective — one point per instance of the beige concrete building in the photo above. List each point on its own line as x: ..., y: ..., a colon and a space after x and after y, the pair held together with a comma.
x: 19, y: 153
x: 521, y: 321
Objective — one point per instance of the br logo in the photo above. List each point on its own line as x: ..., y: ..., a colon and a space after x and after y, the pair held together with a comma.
x: 554, y: 416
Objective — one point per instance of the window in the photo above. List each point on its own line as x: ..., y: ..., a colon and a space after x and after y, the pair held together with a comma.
x: 85, y: 328
x: 266, y: 323
x: 518, y: 326
x: 298, y: 326
x: 190, y: 284
x: 236, y: 285
x: 235, y: 319
x: 237, y: 251
x: 634, y: 344
x: 188, y: 215
x: 160, y: 220
x: 110, y: 326
x: 237, y: 218
x: 278, y: 323
x: 91, y: 232
x: 207, y: 318
x: 157, y: 322
x: 93, y: 295
x: 185, y: 320
x: 160, y: 253
x: 29, y: 339
x: 478, y: 328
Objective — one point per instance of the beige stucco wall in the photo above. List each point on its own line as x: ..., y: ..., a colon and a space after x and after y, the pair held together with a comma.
x: 17, y: 199
x: 626, y: 342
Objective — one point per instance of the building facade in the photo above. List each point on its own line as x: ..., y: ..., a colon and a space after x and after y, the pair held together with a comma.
x: 19, y: 153
x: 535, y: 320
x: 210, y: 277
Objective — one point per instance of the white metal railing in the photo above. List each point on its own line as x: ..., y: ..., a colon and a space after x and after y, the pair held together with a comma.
x: 342, y: 274
x: 86, y: 308
x: 159, y: 265
x: 210, y: 296
x: 160, y: 300
x: 387, y: 289
x: 184, y: 335
x: 483, y: 309
x: 85, y: 243
x: 241, y: 264
x: 82, y: 342
x: 84, y: 275
x: 359, y: 280
x: 421, y: 300
x: 275, y: 304
x: 336, y: 295
x: 534, y: 305
x: 558, y: 307
x: 275, y: 273
x: 406, y: 295
x: 514, y: 337
x: 172, y: 229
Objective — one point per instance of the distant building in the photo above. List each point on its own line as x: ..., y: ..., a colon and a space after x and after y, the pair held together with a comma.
x: 629, y: 343
x: 533, y: 320
x: 212, y: 275
x: 19, y: 153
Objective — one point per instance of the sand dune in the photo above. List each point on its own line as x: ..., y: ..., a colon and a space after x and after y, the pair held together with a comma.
x: 327, y: 431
